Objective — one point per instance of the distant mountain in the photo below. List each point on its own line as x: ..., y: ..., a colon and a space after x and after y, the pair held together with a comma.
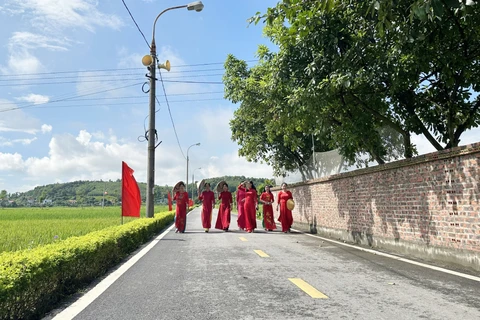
x: 90, y: 193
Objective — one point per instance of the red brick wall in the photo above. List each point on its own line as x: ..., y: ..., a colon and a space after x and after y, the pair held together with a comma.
x: 431, y: 200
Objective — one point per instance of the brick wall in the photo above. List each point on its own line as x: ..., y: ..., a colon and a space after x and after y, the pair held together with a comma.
x: 428, y: 206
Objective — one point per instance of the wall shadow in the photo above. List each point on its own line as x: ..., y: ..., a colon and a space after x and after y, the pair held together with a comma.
x: 428, y: 200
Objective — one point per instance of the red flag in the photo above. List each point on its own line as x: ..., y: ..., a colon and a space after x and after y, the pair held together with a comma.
x: 131, y: 198
x: 169, y: 202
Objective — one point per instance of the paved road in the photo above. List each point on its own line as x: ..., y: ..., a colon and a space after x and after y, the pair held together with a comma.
x: 219, y: 275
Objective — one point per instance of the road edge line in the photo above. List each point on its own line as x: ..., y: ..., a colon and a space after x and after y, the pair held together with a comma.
x: 379, y: 253
x: 84, y: 301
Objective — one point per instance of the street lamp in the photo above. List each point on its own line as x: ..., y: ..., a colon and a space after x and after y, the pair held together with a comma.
x: 193, y: 145
x: 150, y: 62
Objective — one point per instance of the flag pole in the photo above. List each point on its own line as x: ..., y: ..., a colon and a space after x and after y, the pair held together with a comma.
x: 121, y: 197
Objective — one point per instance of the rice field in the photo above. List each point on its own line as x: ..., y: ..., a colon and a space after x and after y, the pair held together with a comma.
x: 26, y: 228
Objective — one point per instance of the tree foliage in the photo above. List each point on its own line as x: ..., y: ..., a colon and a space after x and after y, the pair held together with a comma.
x: 370, y: 74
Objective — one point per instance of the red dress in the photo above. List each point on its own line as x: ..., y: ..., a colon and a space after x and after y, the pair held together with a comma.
x: 181, y: 211
x: 286, y: 218
x: 240, y: 207
x: 208, y: 200
x: 268, y: 218
x: 223, y: 218
x: 250, y: 210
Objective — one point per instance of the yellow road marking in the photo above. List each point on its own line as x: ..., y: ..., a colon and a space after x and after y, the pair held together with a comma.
x: 261, y: 253
x: 308, y: 289
x: 243, y: 239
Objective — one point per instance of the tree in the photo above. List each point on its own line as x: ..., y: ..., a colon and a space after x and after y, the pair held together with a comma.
x: 373, y: 73
x: 264, y: 129
x: 3, y: 196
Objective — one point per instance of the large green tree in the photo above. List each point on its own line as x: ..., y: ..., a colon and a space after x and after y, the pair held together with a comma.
x: 373, y: 73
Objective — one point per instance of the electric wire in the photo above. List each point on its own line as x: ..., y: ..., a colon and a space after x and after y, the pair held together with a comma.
x: 137, y: 78
x: 64, y: 99
x: 126, y: 7
x: 112, y: 70
x: 170, y: 113
x: 106, y: 75
x: 137, y: 97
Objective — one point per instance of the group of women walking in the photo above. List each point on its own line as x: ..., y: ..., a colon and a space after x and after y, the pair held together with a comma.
x: 247, y: 204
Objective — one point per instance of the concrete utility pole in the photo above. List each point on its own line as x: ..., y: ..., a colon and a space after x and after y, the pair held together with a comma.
x: 150, y: 62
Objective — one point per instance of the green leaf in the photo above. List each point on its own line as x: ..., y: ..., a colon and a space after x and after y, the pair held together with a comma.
x: 438, y: 7
x: 453, y: 3
x: 420, y: 12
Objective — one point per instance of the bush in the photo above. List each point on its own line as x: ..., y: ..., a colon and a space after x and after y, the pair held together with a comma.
x: 33, y: 281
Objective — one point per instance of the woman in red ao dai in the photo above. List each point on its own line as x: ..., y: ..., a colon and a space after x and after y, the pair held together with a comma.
x: 223, y: 218
x: 181, y: 197
x: 208, y: 203
x: 285, y: 218
x: 250, y: 207
x: 267, y: 199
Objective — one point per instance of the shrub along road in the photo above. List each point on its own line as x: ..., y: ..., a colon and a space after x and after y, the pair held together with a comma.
x: 236, y: 275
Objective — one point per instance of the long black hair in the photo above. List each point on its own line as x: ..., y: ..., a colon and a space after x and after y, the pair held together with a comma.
x: 253, y: 186
x: 269, y: 191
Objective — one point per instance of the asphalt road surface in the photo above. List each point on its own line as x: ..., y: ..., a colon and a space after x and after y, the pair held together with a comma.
x: 223, y: 275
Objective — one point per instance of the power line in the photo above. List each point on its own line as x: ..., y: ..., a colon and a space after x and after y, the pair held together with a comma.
x: 136, y: 97
x: 110, y: 75
x: 126, y: 7
x: 68, y: 98
x: 170, y: 112
x: 117, y: 69
x: 41, y: 106
x: 18, y: 83
x: 204, y: 82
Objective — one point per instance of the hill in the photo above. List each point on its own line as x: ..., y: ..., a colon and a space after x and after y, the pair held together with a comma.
x: 91, y: 193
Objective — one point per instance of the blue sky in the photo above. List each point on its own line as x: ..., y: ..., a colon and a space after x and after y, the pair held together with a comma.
x: 61, y: 43
x: 68, y: 121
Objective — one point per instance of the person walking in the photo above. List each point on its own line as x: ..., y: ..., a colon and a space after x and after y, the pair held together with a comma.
x: 181, y: 197
x: 223, y: 218
x: 267, y: 199
x: 250, y: 207
x: 240, y: 206
x: 285, y: 218
x: 208, y: 203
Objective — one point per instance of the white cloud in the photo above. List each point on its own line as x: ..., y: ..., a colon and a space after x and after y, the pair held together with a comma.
x: 35, y: 98
x: 82, y: 157
x: 11, y: 162
x: 231, y: 164
x: 21, y: 62
x: 84, y: 137
x: 28, y: 41
x: 46, y: 128
x: 55, y: 15
x: 52, y: 17
x: 16, y: 120
x: 9, y: 143
x: 215, y: 124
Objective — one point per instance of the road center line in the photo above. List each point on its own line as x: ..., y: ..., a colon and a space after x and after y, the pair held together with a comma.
x: 243, y: 239
x: 261, y: 253
x: 308, y: 289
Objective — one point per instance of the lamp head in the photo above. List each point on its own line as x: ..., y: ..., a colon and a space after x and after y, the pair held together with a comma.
x: 197, y: 6
x: 198, y: 144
